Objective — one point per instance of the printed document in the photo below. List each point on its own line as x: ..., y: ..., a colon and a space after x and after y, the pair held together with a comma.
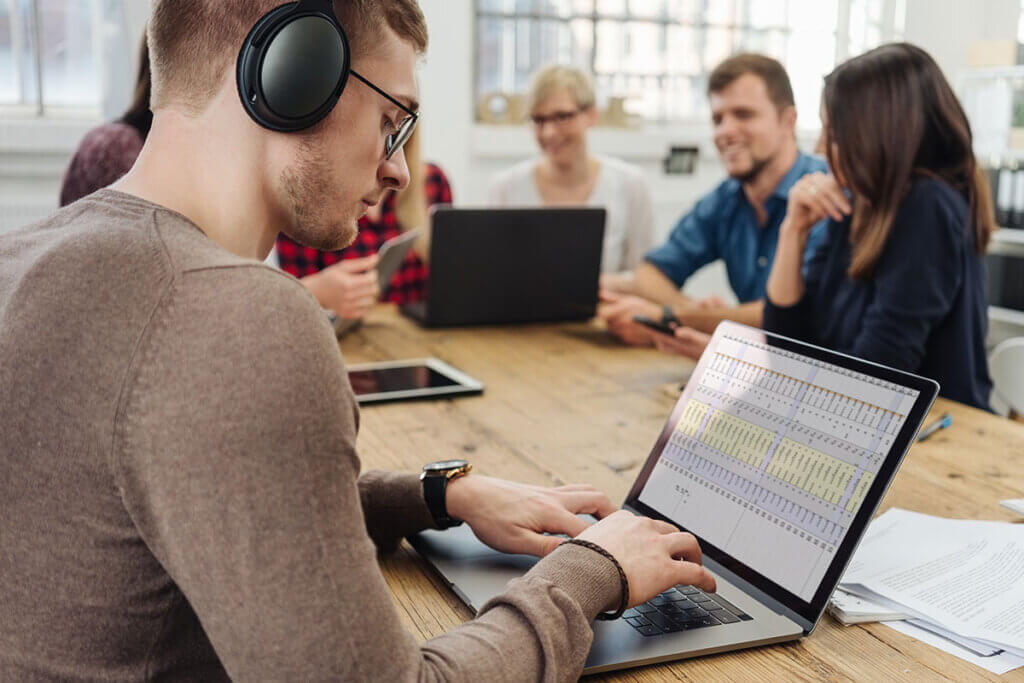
x: 963, y: 575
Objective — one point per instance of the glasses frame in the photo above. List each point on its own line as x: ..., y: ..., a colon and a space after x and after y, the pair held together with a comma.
x: 393, y: 141
x: 559, y: 118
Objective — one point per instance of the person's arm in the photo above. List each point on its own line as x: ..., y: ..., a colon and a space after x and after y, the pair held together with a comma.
x: 814, y: 197
x: 234, y: 453
x: 657, y: 281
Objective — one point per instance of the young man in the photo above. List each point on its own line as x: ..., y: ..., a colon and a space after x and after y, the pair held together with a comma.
x: 754, y: 125
x: 180, y: 496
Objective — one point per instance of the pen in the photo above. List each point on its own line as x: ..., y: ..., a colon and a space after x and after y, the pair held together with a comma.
x: 941, y: 423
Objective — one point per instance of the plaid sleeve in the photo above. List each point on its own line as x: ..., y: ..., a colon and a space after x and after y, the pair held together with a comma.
x: 436, y: 186
x: 297, y: 259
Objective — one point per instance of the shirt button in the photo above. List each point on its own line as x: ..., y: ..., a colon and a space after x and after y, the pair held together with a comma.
x: 763, y: 261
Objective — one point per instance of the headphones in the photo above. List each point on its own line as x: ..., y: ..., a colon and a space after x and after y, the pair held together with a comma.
x: 293, y: 66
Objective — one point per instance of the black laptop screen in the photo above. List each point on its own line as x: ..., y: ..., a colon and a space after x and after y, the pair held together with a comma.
x: 777, y: 455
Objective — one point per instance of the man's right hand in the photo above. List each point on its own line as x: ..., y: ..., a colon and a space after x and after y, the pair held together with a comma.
x: 617, y: 311
x: 349, y: 287
x: 654, y: 555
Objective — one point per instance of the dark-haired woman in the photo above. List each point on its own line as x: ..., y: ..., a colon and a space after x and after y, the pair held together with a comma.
x: 900, y: 277
x: 108, y: 151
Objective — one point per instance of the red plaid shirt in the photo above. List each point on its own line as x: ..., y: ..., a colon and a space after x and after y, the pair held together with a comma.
x: 410, y: 282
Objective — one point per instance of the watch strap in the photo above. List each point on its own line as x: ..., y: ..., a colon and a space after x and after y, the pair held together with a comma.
x: 434, y: 490
x: 668, y: 316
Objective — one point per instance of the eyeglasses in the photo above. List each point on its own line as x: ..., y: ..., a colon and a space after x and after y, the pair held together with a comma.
x: 558, y: 118
x: 394, y: 141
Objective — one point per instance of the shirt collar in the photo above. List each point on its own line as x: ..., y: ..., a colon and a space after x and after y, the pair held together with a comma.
x: 799, y: 168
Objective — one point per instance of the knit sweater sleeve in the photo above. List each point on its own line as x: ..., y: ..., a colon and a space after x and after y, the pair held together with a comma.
x: 235, y: 457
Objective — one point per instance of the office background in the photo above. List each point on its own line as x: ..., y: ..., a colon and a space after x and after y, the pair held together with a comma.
x: 66, y: 65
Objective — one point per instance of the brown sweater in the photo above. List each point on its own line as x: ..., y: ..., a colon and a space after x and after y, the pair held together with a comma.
x: 180, y: 497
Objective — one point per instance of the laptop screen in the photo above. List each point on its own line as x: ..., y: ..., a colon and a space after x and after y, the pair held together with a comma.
x: 777, y: 454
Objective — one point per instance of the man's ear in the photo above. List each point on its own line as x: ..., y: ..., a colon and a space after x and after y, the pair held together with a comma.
x: 591, y: 115
x: 788, y: 117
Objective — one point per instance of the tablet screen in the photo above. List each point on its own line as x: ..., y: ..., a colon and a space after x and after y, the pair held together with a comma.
x: 409, y: 379
x: 397, y: 379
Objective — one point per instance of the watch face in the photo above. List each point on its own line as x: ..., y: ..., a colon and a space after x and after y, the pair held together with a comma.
x: 444, y: 465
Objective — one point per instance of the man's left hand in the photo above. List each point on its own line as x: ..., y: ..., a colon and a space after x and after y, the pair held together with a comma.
x: 514, y: 518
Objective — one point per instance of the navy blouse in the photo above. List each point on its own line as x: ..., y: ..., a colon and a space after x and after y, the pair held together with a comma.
x: 923, y: 309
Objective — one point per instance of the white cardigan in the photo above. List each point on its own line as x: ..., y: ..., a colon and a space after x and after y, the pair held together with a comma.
x: 620, y: 189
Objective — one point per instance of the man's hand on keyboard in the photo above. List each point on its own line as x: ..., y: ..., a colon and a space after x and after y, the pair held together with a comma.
x: 518, y: 518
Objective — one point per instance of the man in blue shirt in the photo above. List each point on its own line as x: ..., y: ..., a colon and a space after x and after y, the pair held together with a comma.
x: 754, y: 127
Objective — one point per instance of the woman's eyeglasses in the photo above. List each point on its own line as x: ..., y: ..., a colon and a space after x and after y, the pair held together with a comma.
x: 394, y: 141
x: 558, y: 118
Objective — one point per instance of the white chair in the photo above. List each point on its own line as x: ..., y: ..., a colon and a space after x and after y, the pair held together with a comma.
x: 1006, y: 365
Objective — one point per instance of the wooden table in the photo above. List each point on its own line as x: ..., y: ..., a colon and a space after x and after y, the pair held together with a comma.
x: 565, y: 403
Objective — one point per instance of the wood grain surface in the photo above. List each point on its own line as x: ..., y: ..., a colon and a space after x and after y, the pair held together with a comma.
x: 567, y: 404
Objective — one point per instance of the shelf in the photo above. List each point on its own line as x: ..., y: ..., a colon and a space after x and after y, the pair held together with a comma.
x: 1008, y: 236
x: 1006, y: 315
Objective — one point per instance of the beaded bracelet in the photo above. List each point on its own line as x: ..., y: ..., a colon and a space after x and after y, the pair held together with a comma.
x: 624, y: 603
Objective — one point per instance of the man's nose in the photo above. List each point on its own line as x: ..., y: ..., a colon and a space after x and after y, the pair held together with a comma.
x: 394, y: 172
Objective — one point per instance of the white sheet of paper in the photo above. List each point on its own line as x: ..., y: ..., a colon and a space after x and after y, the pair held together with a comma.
x: 997, y: 664
x: 965, y: 575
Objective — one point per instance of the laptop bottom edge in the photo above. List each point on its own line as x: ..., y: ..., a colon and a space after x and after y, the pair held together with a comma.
x: 680, y: 655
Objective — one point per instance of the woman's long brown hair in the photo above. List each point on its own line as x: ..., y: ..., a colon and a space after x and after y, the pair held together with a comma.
x: 890, y: 116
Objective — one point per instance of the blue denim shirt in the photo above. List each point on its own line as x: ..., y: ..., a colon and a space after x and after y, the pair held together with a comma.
x: 723, y: 225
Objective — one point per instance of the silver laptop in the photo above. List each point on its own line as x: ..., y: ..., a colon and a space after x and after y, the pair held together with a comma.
x: 775, y: 457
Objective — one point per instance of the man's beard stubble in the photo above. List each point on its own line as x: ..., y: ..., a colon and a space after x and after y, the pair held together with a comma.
x: 308, y: 187
x: 756, y: 169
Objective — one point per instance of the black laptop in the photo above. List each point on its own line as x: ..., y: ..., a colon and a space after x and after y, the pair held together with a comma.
x: 491, y: 266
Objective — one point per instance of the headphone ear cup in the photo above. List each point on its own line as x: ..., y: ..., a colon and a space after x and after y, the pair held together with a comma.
x: 292, y: 69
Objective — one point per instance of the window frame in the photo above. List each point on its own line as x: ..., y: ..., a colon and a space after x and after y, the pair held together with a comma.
x: 890, y: 27
x: 27, y: 27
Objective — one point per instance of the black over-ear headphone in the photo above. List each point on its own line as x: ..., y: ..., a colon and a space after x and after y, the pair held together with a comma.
x: 293, y: 66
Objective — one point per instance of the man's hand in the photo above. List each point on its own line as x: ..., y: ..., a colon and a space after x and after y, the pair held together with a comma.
x: 654, y: 555
x: 686, y: 341
x: 514, y: 518
x: 349, y: 287
x: 617, y: 311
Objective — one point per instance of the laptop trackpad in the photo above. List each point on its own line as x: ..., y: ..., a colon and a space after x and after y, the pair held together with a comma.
x: 474, y: 571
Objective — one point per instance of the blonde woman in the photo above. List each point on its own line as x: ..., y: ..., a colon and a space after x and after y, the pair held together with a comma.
x: 345, y: 281
x: 562, y: 109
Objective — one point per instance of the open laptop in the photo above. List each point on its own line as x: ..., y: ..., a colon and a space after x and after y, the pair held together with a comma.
x: 491, y: 266
x: 775, y: 457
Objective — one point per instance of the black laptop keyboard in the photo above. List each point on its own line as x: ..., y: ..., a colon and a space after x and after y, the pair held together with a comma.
x: 683, y: 608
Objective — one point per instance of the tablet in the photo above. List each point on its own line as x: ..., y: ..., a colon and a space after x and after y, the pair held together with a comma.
x: 403, y: 380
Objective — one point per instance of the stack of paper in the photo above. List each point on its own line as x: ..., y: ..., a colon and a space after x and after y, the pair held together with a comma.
x: 960, y: 579
x: 853, y: 609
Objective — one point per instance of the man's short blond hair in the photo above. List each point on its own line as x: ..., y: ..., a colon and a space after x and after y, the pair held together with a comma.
x: 194, y: 43
x: 551, y: 78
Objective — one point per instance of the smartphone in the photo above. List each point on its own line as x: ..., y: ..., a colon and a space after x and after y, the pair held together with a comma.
x: 391, y: 255
x: 655, y: 325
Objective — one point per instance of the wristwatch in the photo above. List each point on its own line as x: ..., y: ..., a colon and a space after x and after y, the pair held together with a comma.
x: 668, y: 316
x: 435, y: 478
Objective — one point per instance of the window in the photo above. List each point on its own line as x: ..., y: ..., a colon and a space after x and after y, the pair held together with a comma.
x: 49, y: 55
x: 658, y: 53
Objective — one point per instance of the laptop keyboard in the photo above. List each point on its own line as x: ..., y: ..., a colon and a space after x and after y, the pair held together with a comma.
x: 683, y: 608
